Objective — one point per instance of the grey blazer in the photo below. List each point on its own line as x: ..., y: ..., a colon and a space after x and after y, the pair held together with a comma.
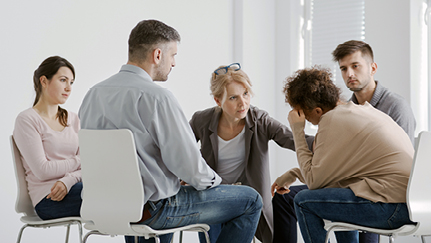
x: 260, y: 128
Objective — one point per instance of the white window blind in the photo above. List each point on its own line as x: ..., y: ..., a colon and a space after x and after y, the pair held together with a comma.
x: 332, y: 22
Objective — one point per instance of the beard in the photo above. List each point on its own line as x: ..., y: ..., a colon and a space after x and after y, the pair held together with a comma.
x: 161, y: 74
x: 355, y: 89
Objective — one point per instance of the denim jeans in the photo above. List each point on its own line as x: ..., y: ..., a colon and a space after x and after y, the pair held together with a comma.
x: 285, y: 229
x: 341, y: 204
x: 68, y: 207
x: 238, y: 208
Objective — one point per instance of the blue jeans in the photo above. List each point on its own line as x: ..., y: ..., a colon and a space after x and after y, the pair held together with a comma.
x: 69, y: 206
x: 238, y: 208
x: 341, y: 204
x: 285, y: 229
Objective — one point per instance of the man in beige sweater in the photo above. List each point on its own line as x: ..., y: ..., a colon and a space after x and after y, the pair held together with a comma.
x: 361, y: 163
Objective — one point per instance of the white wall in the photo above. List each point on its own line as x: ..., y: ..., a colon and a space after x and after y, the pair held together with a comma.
x: 263, y: 35
x: 93, y: 36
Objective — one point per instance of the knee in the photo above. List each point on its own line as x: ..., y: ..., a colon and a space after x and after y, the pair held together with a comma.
x: 301, y: 197
x: 282, y: 199
x: 256, y: 199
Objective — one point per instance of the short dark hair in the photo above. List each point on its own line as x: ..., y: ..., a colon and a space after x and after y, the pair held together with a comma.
x: 146, y: 35
x: 310, y: 88
x: 350, y: 47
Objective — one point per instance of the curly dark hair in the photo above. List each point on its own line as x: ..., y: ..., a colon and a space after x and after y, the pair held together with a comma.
x: 310, y: 88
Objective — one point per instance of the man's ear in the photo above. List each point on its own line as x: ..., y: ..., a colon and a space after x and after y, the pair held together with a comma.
x: 318, y: 111
x: 373, y: 68
x: 157, y: 55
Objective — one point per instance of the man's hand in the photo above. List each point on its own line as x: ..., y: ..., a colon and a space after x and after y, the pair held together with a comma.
x: 58, y: 191
x: 296, y: 116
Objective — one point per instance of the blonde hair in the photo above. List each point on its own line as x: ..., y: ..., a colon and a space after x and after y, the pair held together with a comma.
x: 219, y: 82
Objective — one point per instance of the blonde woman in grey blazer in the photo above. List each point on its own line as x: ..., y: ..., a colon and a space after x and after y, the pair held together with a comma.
x: 234, y: 140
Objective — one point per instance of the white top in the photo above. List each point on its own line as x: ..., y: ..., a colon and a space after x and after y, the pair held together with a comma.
x: 231, y: 158
x: 165, y: 143
x: 48, y: 156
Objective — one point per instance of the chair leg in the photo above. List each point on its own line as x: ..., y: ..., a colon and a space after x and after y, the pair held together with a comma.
x: 391, y: 239
x: 423, y: 238
x: 181, y: 237
x: 67, y: 233
x: 136, y: 239
x: 157, y: 239
x: 18, y: 240
x: 80, y: 231
x: 327, y: 235
x: 93, y: 232
x: 207, y: 236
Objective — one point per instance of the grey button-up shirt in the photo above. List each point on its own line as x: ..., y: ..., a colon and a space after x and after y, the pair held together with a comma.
x: 166, y: 147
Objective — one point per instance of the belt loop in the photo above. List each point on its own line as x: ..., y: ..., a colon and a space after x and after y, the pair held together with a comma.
x: 152, y: 205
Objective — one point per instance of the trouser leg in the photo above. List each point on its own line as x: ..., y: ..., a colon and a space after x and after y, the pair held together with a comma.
x: 238, y: 208
x: 341, y: 204
x: 285, y: 227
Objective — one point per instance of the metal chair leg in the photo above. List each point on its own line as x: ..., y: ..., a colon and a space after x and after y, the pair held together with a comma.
x: 207, y: 236
x: 67, y: 233
x: 18, y: 240
x: 93, y: 232
x: 157, y: 239
x: 80, y: 231
x: 327, y: 235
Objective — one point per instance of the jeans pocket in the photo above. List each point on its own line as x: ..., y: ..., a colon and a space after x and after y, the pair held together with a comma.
x: 178, y: 221
x: 400, y: 216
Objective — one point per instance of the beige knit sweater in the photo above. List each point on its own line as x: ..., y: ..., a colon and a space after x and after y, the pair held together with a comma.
x: 357, y: 147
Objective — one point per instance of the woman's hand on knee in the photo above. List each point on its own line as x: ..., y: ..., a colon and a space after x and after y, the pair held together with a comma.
x: 58, y: 191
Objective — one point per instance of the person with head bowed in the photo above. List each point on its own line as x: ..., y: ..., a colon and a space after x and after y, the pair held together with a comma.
x: 360, y: 167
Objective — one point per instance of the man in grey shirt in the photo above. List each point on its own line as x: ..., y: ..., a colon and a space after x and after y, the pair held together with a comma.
x: 165, y: 143
x: 356, y: 61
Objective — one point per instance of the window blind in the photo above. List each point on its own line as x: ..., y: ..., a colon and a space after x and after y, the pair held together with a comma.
x: 333, y: 22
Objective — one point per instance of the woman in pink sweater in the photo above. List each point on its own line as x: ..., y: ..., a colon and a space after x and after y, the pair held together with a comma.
x: 47, y: 137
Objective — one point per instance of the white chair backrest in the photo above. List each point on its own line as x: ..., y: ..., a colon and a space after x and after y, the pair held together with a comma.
x: 418, y: 192
x: 23, y: 202
x: 113, y: 192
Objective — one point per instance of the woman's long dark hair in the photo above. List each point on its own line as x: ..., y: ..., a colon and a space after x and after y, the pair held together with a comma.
x: 48, y: 68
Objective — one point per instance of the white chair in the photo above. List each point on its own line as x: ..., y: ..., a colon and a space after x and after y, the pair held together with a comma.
x: 418, y: 198
x: 113, y: 189
x: 23, y: 202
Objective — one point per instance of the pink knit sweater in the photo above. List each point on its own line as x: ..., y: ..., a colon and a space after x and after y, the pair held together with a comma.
x: 48, y: 156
